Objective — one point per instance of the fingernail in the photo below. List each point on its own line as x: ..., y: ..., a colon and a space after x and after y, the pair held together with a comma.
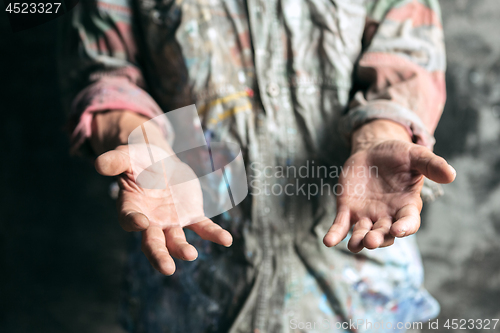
x: 402, y: 233
x: 453, y: 170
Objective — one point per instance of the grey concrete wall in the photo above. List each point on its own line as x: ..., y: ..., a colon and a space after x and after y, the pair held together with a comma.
x: 61, y: 250
x: 460, y: 237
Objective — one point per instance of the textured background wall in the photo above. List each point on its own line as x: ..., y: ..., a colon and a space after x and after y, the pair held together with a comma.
x: 61, y: 250
x: 460, y: 239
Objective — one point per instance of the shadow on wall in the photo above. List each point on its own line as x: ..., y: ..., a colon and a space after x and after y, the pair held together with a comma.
x: 61, y: 249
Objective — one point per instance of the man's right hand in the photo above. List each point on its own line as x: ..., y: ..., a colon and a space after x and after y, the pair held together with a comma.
x: 152, y: 211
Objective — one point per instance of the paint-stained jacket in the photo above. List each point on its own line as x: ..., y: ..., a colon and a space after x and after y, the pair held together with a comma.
x: 288, y: 80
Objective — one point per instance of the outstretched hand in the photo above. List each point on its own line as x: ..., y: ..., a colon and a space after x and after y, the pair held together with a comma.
x: 152, y: 211
x: 381, y: 198
x: 155, y: 212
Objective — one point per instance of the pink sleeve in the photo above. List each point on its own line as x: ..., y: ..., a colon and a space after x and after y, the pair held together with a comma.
x: 108, y: 93
x: 401, y: 72
x: 99, y: 67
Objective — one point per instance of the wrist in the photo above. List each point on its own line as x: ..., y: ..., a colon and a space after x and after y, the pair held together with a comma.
x: 377, y: 131
x: 111, y: 129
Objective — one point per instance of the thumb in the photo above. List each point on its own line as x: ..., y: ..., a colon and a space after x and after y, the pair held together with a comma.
x: 113, y: 162
x: 431, y: 166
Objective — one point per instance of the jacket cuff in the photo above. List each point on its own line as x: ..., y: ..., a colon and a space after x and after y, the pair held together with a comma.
x: 380, y: 109
x: 109, y: 93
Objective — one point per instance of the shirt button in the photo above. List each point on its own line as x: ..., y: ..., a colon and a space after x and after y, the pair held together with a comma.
x: 273, y: 89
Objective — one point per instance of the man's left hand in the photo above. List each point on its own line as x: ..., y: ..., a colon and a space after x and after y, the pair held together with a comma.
x: 381, y: 184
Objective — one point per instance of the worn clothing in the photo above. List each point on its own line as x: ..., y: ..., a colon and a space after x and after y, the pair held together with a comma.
x: 288, y: 80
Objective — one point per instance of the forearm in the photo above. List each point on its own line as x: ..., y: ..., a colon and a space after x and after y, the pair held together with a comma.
x: 377, y: 131
x: 112, y: 128
x: 393, y: 80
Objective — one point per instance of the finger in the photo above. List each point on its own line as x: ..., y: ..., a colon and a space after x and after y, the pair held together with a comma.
x: 378, y: 235
x: 407, y: 221
x: 432, y: 166
x: 178, y: 246
x: 360, y: 229
x: 112, y: 163
x: 211, y: 231
x: 153, y: 246
x: 339, y: 229
x: 130, y: 217
x: 388, y: 241
x: 133, y: 221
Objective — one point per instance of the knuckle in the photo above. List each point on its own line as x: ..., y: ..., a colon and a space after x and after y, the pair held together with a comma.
x: 156, y: 255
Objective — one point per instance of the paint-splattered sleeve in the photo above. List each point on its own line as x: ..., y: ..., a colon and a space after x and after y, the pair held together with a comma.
x: 98, y: 67
x: 400, y: 75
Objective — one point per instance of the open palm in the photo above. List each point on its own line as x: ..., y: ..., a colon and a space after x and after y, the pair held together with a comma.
x: 381, y: 193
x: 149, y: 205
